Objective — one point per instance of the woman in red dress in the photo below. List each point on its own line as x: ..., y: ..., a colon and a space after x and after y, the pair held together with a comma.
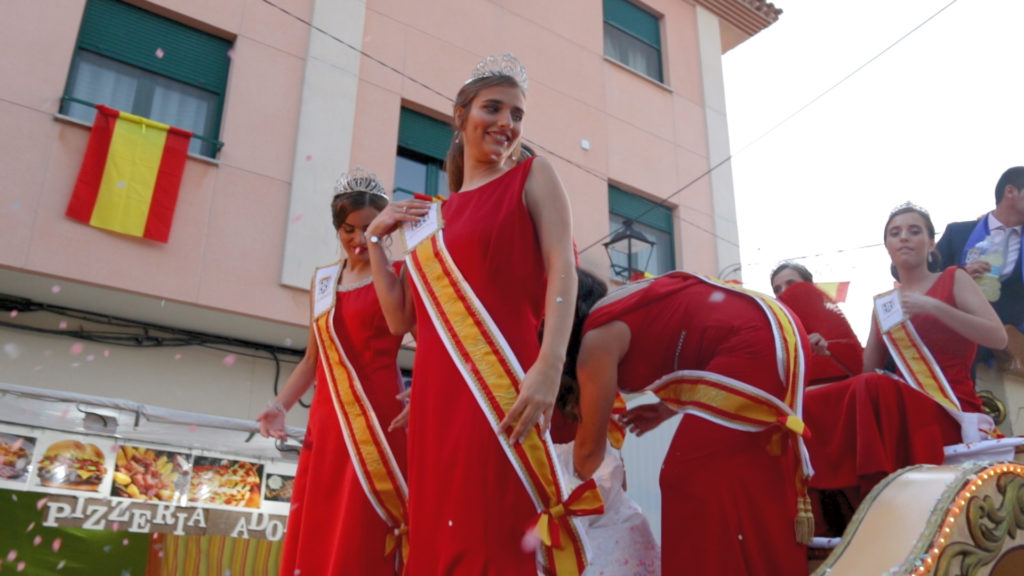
x: 508, y: 229
x: 333, y: 528
x: 729, y: 497
x: 868, y: 426
x: 837, y: 352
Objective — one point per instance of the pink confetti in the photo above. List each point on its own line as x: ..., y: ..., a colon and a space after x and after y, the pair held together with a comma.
x: 309, y: 157
x: 61, y: 564
x: 90, y: 358
x: 229, y: 360
x: 177, y: 356
x: 55, y: 288
x: 159, y: 52
x: 21, y: 566
x: 37, y: 540
x: 115, y: 526
x: 231, y: 53
x: 298, y: 217
x: 37, y: 368
x: 160, y: 554
x: 192, y: 428
x: 14, y: 313
x: 76, y: 348
x: 64, y: 413
x: 63, y: 325
x: 124, y: 542
x: 12, y: 555
x: 106, y: 353
x: 41, y: 502
x: 30, y: 527
x: 56, y: 544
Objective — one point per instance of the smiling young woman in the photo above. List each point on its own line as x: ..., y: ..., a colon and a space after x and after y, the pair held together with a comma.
x: 506, y: 248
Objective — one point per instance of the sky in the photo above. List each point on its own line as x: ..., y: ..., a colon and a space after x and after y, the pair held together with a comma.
x: 934, y: 120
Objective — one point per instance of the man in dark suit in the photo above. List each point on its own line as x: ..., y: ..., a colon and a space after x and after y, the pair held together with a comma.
x: 1003, y: 226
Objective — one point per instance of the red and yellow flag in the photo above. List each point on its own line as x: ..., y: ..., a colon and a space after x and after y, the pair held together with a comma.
x: 835, y: 290
x: 130, y: 175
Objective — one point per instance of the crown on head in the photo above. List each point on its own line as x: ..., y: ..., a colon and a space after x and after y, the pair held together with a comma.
x: 501, y: 65
x: 911, y: 206
x: 359, y: 180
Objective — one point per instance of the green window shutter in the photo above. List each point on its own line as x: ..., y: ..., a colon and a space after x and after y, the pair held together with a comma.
x: 634, y: 20
x: 423, y: 134
x: 639, y: 209
x: 151, y: 42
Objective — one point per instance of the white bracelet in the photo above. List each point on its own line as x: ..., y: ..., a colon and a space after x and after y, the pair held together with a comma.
x: 278, y: 406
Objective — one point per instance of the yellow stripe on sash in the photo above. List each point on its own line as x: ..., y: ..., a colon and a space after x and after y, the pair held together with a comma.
x: 369, y: 450
x: 918, y: 366
x: 493, y: 374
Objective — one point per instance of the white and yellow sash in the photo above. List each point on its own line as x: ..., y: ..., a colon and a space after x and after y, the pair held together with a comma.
x: 493, y: 374
x: 921, y: 372
x: 368, y: 448
x: 739, y: 406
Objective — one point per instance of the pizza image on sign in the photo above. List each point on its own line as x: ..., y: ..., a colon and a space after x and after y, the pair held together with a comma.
x: 224, y: 482
x: 72, y: 465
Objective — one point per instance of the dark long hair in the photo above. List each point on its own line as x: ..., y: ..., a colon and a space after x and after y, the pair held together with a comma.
x: 591, y: 289
x: 935, y: 263
x: 346, y: 203
x: 454, y: 162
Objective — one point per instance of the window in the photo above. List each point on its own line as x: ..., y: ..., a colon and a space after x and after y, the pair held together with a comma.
x: 632, y: 37
x: 138, y: 62
x: 422, y: 145
x: 653, y: 220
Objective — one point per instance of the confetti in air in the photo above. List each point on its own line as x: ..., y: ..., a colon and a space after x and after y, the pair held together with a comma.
x: 30, y: 527
x: 159, y: 52
x: 716, y: 296
x: 76, y: 348
x: 61, y: 564
x: 21, y: 566
x: 14, y: 313
x: 12, y: 555
x: 193, y: 428
x: 12, y: 350
x: 90, y: 358
x: 37, y: 540
x: 177, y: 356
x: 309, y: 157
x: 287, y: 341
x: 55, y: 288
x: 39, y: 506
x: 231, y: 53
x: 124, y: 542
x: 63, y: 325
x: 106, y: 353
x: 229, y: 360
x: 297, y: 218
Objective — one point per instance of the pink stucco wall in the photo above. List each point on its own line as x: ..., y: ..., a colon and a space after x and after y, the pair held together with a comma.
x: 226, y: 242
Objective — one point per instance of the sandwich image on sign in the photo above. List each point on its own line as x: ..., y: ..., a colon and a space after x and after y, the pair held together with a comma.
x: 72, y: 465
x: 15, y: 455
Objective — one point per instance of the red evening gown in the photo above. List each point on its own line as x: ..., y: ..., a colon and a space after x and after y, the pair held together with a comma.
x: 727, y: 502
x: 866, y: 427
x: 468, y: 509
x: 332, y: 528
x: 819, y: 314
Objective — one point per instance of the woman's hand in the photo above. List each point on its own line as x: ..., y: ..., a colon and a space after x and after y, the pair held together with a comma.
x: 914, y: 303
x: 402, y: 420
x: 271, y: 421
x: 818, y: 344
x: 536, y: 401
x: 646, y: 417
x: 395, y: 214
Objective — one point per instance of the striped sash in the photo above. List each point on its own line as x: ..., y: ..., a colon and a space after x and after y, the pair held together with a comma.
x: 921, y: 372
x: 493, y: 374
x: 737, y: 405
x: 368, y: 448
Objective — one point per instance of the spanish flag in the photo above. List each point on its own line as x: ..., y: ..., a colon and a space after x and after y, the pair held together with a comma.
x: 835, y: 290
x: 130, y: 175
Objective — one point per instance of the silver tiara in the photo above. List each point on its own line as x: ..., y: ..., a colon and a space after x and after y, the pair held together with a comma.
x: 359, y: 180
x: 911, y: 206
x: 501, y: 65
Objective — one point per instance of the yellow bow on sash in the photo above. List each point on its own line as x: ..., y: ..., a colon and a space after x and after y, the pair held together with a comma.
x: 616, y: 431
x: 585, y: 500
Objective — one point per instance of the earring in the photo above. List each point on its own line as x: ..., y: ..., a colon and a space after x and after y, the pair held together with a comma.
x: 458, y: 137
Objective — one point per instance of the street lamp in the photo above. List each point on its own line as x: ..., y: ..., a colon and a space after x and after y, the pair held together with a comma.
x: 626, y: 249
